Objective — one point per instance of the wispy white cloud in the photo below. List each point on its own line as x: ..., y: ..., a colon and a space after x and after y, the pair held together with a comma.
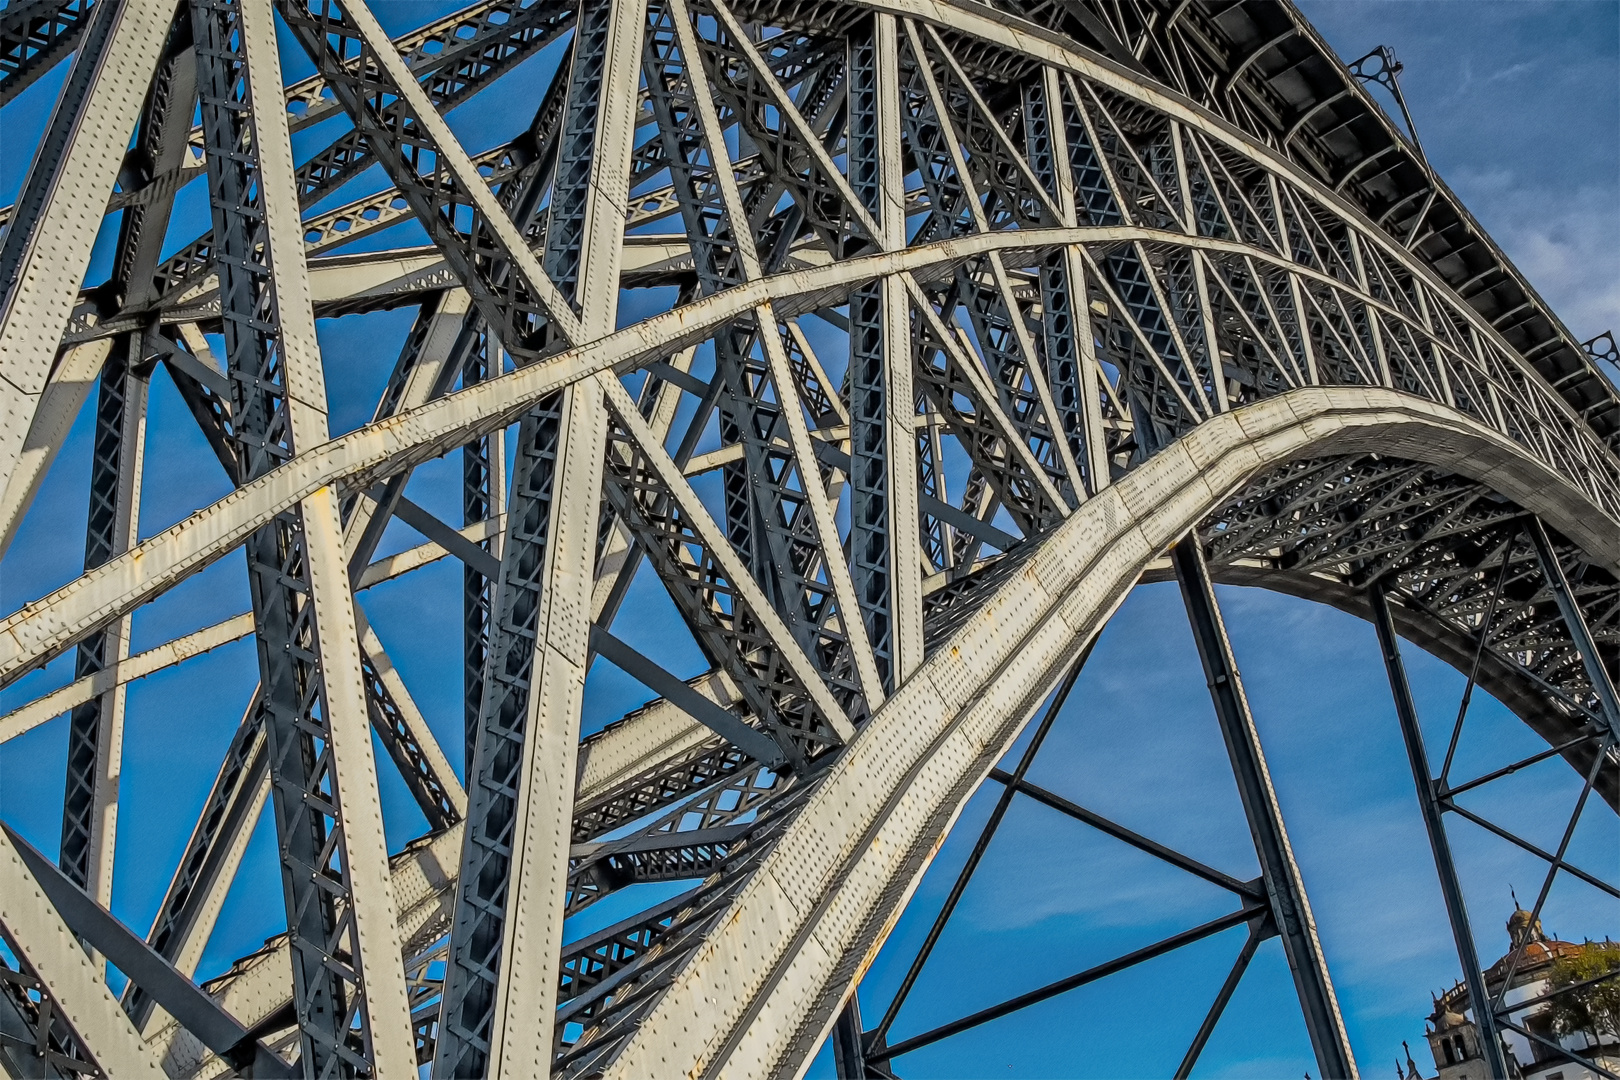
x: 1512, y: 71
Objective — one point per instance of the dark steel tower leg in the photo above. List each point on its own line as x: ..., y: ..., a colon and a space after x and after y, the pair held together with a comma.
x: 1284, y: 889
x: 1579, y: 632
x: 849, y: 1055
x: 1412, y: 733
x: 480, y: 484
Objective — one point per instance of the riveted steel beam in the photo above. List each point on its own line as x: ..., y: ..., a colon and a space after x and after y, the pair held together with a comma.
x: 1094, y: 284
x: 46, y: 249
x: 1290, y: 910
x: 349, y: 999
x: 76, y: 1022
x: 1445, y: 866
x: 508, y: 920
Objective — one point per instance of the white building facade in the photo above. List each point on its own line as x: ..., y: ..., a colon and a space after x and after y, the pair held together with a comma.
x: 1454, y: 1039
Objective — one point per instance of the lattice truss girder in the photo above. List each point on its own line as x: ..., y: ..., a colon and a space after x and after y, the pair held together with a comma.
x: 940, y: 287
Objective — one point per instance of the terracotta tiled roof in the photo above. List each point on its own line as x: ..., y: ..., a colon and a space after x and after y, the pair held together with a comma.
x: 1537, y: 955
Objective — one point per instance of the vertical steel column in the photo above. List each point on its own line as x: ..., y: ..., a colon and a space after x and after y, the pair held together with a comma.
x: 1579, y: 632
x: 348, y: 978
x: 118, y: 453
x: 495, y: 771
x: 1284, y: 888
x: 501, y: 979
x: 483, y: 483
x: 1450, y: 889
x: 884, y: 528
x: 96, y: 728
x: 483, y: 461
x: 849, y: 1053
x: 1065, y: 324
x: 204, y: 873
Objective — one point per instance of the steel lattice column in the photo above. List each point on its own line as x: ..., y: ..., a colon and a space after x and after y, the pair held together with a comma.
x: 95, y: 729
x: 483, y: 466
x: 883, y: 446
x: 507, y: 929
x: 348, y: 988
x: 1070, y: 351
x: 95, y: 733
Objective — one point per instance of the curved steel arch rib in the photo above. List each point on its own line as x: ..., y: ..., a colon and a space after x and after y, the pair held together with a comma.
x: 1105, y: 316
x: 787, y: 949
x: 389, y: 447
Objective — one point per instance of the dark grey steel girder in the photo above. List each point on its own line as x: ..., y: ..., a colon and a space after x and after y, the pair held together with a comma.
x: 768, y: 513
x: 91, y: 25
x: 677, y: 693
x: 1445, y: 866
x: 525, y: 310
x: 35, y: 1038
x: 115, y: 462
x: 494, y: 775
x: 1285, y: 891
x: 181, y: 997
x: 875, y: 548
x: 34, y: 36
x: 470, y: 1036
x: 477, y: 355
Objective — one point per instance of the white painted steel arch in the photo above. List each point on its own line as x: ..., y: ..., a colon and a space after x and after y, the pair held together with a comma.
x: 356, y: 461
x: 763, y: 991
x: 1078, y: 316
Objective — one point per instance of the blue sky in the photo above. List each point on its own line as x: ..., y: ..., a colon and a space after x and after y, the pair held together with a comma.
x: 1519, y: 108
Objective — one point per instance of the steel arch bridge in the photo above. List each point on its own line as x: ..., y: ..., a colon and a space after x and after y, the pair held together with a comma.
x: 1120, y: 290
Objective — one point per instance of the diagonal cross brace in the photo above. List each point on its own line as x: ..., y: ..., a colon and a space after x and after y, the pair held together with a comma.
x: 179, y: 996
